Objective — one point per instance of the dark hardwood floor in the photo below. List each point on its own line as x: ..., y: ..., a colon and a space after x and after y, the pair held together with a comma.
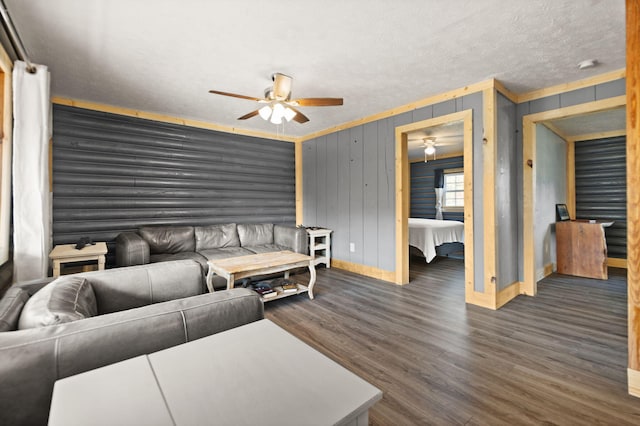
x: 557, y: 358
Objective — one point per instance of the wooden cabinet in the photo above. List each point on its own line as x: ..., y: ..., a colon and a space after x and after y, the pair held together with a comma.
x: 581, y: 249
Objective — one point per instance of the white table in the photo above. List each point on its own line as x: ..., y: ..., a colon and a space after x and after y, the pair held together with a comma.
x: 320, y: 245
x: 257, y: 374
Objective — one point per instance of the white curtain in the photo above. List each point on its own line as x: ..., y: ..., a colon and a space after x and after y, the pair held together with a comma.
x: 31, y: 195
x: 439, y: 196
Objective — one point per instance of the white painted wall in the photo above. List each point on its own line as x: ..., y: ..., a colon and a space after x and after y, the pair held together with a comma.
x: 551, y: 189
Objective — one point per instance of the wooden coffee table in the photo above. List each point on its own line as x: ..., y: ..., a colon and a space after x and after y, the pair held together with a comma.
x: 235, y: 268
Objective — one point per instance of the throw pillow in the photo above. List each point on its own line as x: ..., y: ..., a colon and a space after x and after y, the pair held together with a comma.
x: 216, y: 236
x: 255, y: 234
x: 65, y: 299
x: 10, y: 307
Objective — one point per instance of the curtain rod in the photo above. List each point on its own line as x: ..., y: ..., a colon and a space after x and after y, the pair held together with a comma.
x: 14, y: 38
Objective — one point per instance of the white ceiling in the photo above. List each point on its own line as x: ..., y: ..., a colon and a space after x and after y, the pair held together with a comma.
x: 449, y: 140
x: 612, y: 120
x: 163, y: 56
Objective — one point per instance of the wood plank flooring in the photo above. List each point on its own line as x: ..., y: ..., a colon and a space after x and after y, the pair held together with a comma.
x: 558, y: 358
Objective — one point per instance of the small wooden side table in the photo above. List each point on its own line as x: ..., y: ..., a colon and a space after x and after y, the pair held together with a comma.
x: 66, y: 253
x: 320, y: 245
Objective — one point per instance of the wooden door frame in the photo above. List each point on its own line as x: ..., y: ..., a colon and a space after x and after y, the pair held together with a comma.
x: 403, y: 193
x: 529, y: 122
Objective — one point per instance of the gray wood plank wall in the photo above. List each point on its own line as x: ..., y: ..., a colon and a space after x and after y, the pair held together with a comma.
x: 423, y: 197
x: 349, y: 183
x: 601, y: 188
x: 588, y: 94
x: 113, y: 173
x: 506, y: 195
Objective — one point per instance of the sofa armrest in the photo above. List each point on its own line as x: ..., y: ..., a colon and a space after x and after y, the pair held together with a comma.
x: 295, y: 239
x: 131, y: 249
x: 32, y: 360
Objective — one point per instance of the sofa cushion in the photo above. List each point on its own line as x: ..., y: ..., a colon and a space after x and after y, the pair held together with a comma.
x: 266, y: 248
x: 169, y: 239
x: 216, y: 236
x: 11, y: 305
x: 255, y: 234
x: 66, y: 299
x: 225, y: 252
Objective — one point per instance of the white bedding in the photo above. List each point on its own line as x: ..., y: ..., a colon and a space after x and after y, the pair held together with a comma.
x: 426, y: 234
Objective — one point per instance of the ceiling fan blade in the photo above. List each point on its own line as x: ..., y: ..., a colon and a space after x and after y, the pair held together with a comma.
x: 281, y: 86
x: 299, y: 117
x: 249, y: 115
x: 317, y: 102
x: 234, y: 95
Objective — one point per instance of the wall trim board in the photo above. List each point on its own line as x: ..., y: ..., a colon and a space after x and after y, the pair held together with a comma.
x: 469, y: 261
x: 167, y: 119
x: 633, y: 380
x: 529, y: 174
x: 452, y: 94
x: 615, y: 262
x: 489, y: 154
x: 566, y: 87
x: 507, y: 294
x: 483, y: 300
x: 599, y: 135
x: 299, y: 175
x: 6, y: 97
x: 513, y: 97
x: 402, y: 205
x: 369, y: 271
x: 548, y: 269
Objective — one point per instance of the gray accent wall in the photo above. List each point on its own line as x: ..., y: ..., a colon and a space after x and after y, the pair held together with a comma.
x: 601, y: 188
x: 506, y: 195
x: 423, y: 196
x: 349, y: 184
x: 588, y: 94
x: 113, y: 173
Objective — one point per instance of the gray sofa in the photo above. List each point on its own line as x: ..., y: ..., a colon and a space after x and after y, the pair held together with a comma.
x: 202, y: 243
x: 116, y: 314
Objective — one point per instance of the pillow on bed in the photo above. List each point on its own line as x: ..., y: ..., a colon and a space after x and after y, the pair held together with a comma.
x: 66, y: 299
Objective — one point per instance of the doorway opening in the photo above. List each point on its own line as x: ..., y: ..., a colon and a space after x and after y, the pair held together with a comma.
x: 403, y: 189
x: 534, y: 127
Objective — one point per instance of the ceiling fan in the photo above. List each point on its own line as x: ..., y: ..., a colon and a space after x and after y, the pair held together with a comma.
x: 278, y: 102
x: 429, y: 144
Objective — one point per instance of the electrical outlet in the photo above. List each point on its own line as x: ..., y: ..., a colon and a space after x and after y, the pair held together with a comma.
x: 352, y: 247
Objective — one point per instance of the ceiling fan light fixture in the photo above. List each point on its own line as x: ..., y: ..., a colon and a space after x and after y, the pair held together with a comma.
x: 289, y: 114
x: 278, y: 113
x: 430, y: 150
x: 265, y: 112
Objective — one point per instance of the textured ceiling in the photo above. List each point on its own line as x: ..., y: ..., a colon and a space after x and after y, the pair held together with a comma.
x: 163, y: 56
x: 604, y: 121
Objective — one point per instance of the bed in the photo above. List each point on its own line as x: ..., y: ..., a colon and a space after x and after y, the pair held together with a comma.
x: 427, y: 234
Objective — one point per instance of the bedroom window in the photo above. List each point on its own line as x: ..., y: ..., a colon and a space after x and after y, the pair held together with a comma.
x: 453, y: 190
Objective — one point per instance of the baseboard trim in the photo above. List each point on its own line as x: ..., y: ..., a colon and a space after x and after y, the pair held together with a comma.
x: 369, y: 271
x: 480, y: 299
x: 633, y: 381
x: 548, y: 269
x: 507, y: 294
x: 615, y: 262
